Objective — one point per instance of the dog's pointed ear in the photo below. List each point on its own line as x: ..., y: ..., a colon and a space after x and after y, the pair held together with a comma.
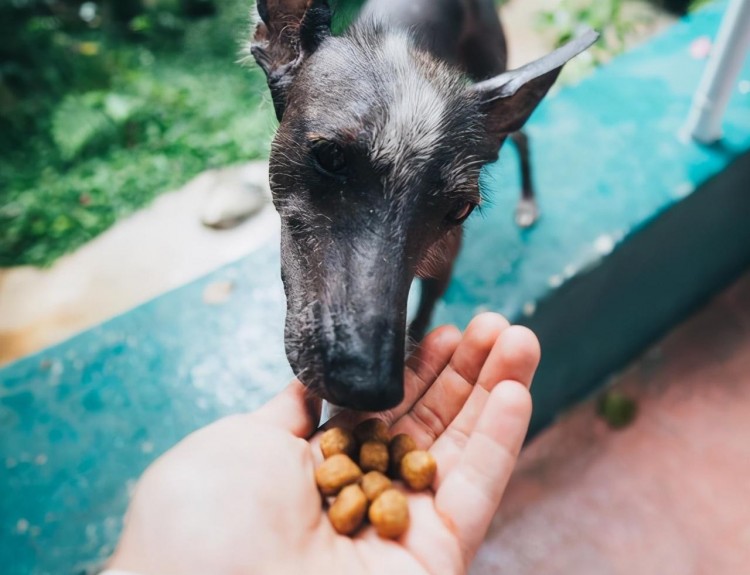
x: 510, y: 98
x: 287, y: 32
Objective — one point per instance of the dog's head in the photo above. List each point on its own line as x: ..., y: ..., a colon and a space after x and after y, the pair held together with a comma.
x: 375, y: 164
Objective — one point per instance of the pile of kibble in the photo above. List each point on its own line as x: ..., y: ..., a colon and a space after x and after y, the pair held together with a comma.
x: 366, y: 488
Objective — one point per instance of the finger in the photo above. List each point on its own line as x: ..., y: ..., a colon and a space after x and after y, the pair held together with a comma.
x: 426, y: 363
x: 471, y: 493
x: 440, y: 404
x: 515, y: 356
x: 294, y: 410
x: 421, y: 369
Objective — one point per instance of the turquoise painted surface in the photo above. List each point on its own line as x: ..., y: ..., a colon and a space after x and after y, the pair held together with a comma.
x: 79, y: 422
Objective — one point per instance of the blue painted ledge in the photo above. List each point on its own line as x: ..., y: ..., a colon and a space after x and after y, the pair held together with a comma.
x: 637, y: 229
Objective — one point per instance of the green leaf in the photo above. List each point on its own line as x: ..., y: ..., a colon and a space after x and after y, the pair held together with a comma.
x: 120, y: 108
x: 76, y: 123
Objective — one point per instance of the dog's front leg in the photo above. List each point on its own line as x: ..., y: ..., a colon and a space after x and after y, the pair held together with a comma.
x: 527, y: 211
x: 435, y: 283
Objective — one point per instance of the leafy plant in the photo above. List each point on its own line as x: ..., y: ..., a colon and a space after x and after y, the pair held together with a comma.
x: 78, y: 154
x: 618, y: 21
x: 78, y: 121
x: 605, y: 16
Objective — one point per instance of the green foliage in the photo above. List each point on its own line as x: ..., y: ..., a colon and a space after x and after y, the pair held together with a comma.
x: 618, y: 21
x: 344, y: 13
x: 697, y: 4
x: 94, y: 133
x: 605, y: 16
x: 78, y: 121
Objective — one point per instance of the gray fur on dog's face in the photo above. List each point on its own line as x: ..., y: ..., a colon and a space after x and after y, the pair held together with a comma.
x: 374, y: 165
x: 374, y: 168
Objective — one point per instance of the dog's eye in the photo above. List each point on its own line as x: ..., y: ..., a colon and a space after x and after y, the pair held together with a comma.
x: 460, y: 213
x: 329, y: 157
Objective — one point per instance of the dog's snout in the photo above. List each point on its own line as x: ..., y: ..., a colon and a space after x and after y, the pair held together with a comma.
x: 366, y: 375
x: 351, y: 384
x: 346, y: 324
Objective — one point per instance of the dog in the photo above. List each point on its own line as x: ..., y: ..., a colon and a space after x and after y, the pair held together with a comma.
x: 375, y: 166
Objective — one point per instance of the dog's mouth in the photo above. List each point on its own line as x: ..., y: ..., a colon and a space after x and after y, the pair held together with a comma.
x: 370, y: 402
x: 346, y: 312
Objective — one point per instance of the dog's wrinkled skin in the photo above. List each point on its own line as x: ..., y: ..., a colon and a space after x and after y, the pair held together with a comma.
x: 374, y: 168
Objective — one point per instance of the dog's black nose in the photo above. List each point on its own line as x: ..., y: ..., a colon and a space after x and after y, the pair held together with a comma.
x: 354, y: 389
x: 366, y: 377
x: 350, y: 390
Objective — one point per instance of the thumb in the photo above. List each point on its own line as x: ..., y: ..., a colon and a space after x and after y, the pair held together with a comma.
x: 293, y: 410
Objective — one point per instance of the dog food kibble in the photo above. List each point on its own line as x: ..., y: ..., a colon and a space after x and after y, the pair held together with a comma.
x: 354, y: 491
x: 373, y: 456
x: 418, y: 469
x: 389, y: 513
x: 336, y: 472
x: 337, y: 440
x: 372, y: 430
x: 400, y: 445
x: 374, y: 483
x: 348, y: 510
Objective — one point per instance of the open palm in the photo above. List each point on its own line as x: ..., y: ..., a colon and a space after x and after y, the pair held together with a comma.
x: 239, y: 496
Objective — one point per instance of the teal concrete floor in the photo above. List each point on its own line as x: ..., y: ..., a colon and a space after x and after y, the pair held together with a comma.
x: 80, y: 421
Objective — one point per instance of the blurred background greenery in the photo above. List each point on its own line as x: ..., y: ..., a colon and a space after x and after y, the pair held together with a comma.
x: 103, y: 105
x: 106, y: 104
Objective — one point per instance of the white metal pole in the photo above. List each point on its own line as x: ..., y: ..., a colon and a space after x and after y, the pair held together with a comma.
x: 724, y: 65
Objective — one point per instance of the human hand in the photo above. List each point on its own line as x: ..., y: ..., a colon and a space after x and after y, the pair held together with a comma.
x: 239, y: 496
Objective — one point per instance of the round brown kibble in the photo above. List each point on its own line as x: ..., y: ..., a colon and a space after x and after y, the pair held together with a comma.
x: 389, y: 513
x: 348, y: 510
x: 373, y: 456
x: 337, y: 440
x: 374, y: 483
x: 372, y: 430
x: 400, y: 445
x: 335, y: 473
x: 418, y: 469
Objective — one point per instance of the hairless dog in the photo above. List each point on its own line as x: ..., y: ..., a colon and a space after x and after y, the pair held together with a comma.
x: 375, y: 166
